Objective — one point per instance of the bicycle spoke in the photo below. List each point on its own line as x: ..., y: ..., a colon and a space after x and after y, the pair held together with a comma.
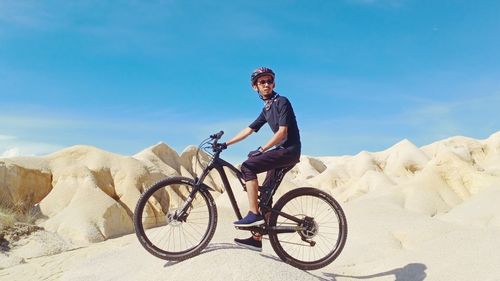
x: 169, y: 231
x: 321, y: 225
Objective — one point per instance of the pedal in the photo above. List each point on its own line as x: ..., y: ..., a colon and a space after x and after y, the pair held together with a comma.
x: 245, y: 227
x: 256, y: 230
x: 250, y: 228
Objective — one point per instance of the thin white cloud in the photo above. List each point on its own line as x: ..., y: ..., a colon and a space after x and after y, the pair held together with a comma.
x: 116, y: 34
x: 6, y: 137
x: 17, y: 147
x: 40, y: 118
x: 42, y: 126
x: 25, y: 133
x: 455, y: 115
x: 35, y: 121
x: 29, y: 13
x: 422, y: 122
x: 11, y: 152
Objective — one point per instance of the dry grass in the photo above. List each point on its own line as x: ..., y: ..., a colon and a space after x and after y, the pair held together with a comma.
x: 7, y: 217
x: 16, y: 212
x: 16, y: 221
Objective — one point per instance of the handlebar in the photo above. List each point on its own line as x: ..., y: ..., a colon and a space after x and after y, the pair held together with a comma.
x: 217, y: 136
x: 217, y: 147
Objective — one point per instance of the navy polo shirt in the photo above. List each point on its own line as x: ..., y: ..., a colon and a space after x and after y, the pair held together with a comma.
x: 279, y: 114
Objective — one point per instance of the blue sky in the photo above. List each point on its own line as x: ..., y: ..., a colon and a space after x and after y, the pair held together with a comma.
x: 361, y: 74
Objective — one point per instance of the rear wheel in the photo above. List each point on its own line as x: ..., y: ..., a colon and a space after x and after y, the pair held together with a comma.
x: 318, y: 239
x: 165, y: 234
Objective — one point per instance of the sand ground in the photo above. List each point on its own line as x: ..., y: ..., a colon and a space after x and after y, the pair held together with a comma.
x: 381, y: 245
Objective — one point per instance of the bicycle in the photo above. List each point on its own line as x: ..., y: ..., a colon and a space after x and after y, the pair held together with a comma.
x: 176, y: 218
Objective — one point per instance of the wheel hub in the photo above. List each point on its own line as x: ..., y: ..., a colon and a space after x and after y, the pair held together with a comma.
x: 172, y: 219
x: 311, y: 229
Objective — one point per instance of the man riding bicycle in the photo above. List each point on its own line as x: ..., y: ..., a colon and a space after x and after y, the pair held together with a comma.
x: 281, y: 151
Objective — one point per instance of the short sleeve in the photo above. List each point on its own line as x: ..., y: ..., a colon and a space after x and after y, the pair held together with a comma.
x: 259, y: 122
x: 285, y: 113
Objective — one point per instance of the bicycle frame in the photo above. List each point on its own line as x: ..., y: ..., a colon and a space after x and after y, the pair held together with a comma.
x: 218, y: 164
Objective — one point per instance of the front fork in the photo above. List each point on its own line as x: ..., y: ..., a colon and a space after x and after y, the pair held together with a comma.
x: 182, y: 213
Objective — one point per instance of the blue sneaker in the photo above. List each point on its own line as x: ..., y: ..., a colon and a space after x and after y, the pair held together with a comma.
x: 251, y: 219
x: 249, y: 243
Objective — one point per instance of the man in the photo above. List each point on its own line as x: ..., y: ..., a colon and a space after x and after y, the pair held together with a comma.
x: 282, y: 150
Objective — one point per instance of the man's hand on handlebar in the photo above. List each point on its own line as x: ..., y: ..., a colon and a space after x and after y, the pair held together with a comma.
x: 220, y: 146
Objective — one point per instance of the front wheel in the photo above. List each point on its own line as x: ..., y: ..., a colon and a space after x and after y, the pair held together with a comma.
x: 166, y: 233
x: 318, y: 238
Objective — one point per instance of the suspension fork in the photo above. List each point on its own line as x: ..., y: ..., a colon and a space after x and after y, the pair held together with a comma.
x: 181, y: 215
x: 197, y: 186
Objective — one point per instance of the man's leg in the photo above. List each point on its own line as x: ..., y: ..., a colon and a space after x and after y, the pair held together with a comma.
x: 252, y: 193
x: 253, y: 218
x: 265, y: 162
x: 253, y: 166
x: 255, y: 241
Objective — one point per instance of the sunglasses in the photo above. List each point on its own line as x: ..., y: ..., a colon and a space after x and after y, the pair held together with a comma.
x: 263, y: 82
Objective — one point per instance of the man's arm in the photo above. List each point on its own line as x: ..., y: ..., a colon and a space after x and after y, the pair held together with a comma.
x: 279, y: 136
x: 240, y: 136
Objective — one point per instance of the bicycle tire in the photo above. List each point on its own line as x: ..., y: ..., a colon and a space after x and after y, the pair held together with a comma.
x: 156, y: 229
x: 288, y: 203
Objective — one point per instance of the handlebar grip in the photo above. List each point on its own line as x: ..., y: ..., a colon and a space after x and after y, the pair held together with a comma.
x: 218, y: 135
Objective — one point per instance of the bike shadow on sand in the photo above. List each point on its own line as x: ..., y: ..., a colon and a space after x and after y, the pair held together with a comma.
x: 409, y: 272
x: 221, y: 246
x: 210, y: 248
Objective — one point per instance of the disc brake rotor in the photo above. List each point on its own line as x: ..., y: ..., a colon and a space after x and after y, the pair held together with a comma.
x: 171, y: 220
x: 311, y: 229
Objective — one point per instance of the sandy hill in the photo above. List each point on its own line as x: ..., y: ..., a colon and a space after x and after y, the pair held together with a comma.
x: 431, y: 180
x: 400, y: 202
x: 86, y: 194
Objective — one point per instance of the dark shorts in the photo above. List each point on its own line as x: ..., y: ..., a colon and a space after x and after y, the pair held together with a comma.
x: 270, y: 160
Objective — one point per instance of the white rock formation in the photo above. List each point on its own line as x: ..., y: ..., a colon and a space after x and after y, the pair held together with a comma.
x: 88, y: 195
